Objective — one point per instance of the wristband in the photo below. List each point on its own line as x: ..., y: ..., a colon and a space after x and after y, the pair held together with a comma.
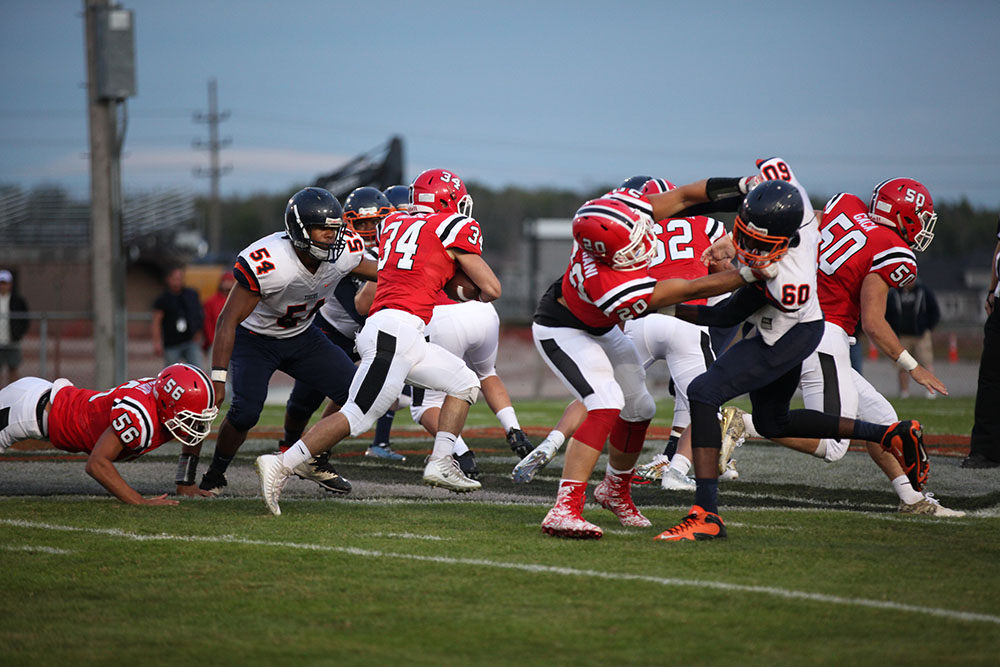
x: 723, y: 188
x: 668, y: 310
x: 187, y: 466
x: 219, y: 374
x: 746, y: 273
x: 906, y: 361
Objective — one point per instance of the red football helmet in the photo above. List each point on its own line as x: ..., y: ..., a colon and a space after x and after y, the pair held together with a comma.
x: 615, y: 233
x: 185, y: 402
x: 655, y: 186
x: 906, y: 205
x: 439, y: 191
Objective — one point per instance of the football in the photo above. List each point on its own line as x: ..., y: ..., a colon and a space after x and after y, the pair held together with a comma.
x: 460, y: 287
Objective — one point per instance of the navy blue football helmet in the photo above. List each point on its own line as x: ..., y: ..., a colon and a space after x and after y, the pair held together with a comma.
x: 768, y: 222
x: 315, y: 207
x: 635, y: 182
x: 398, y: 196
x: 364, y: 211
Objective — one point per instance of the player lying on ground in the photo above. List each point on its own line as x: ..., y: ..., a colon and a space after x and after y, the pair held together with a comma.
x: 120, y: 424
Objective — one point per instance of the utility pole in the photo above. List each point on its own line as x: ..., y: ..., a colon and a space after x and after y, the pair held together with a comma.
x: 214, y: 171
x: 110, y: 51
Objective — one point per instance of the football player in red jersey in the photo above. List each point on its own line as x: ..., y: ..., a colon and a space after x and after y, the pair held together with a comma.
x: 687, y: 349
x: 575, y: 330
x: 418, y: 253
x: 120, y: 424
x: 864, y: 250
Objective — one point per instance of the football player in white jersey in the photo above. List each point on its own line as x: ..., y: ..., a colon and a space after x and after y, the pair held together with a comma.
x: 865, y: 250
x: 341, y: 318
x: 775, y: 222
x: 282, y: 280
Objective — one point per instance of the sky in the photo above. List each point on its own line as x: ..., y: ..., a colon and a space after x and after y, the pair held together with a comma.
x: 570, y: 94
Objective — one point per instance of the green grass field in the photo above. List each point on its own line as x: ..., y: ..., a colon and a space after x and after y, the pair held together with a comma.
x: 811, y: 573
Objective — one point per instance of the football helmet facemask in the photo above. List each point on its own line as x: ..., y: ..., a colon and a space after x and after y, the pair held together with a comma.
x: 767, y: 223
x: 185, y: 402
x: 398, y: 196
x: 615, y: 233
x: 905, y: 205
x: 439, y: 191
x: 315, y: 207
x: 366, y: 205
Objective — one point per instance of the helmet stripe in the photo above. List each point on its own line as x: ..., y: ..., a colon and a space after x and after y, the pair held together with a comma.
x: 605, y: 212
x: 208, y: 383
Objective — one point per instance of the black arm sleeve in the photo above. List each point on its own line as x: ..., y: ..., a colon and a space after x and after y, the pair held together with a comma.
x: 742, y: 304
x: 727, y: 205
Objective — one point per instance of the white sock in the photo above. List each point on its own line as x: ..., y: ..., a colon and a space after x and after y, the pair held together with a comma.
x: 508, y: 419
x: 295, y: 455
x: 748, y: 425
x: 611, y: 471
x: 444, y: 445
x: 460, y: 447
x: 556, y: 438
x: 681, y: 464
x: 901, y: 485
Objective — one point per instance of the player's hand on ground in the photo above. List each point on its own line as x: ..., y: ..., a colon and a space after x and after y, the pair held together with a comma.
x: 192, y: 491
x: 159, y: 500
x: 929, y: 380
x: 722, y: 250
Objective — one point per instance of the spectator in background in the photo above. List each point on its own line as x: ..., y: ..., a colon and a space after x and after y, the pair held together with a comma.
x: 912, y: 312
x: 12, y: 326
x: 213, y: 306
x: 177, y: 321
x: 984, y: 449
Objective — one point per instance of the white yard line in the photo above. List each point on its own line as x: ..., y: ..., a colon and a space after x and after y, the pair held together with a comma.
x: 35, y: 548
x: 412, y: 536
x: 527, y: 567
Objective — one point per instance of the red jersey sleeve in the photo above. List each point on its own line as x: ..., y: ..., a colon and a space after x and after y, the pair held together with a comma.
x: 132, y: 423
x: 461, y: 233
x: 892, y: 259
x: 620, y: 296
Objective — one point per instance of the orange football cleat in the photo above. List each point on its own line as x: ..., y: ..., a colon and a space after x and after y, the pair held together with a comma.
x: 905, y: 441
x: 698, y: 525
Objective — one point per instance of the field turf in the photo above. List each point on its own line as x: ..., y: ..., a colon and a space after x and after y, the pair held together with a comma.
x: 818, y: 567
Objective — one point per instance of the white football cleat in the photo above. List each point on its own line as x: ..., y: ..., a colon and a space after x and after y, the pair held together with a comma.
x: 730, y: 474
x: 655, y: 469
x: 734, y: 433
x: 537, y: 459
x: 445, y: 473
x: 929, y: 506
x: 676, y: 481
x: 273, y: 477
